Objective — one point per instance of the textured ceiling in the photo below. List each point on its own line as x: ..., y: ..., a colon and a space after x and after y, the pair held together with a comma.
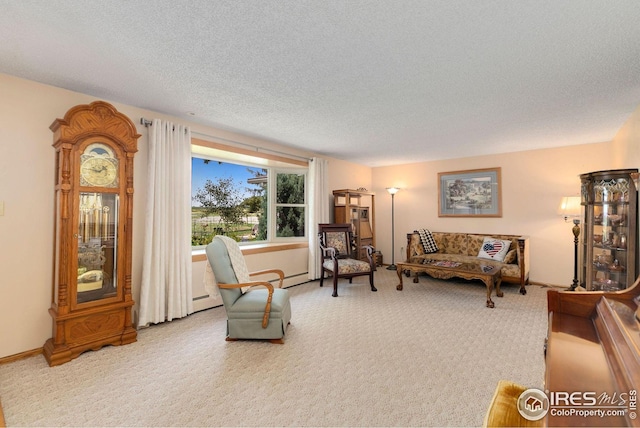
x: 377, y: 82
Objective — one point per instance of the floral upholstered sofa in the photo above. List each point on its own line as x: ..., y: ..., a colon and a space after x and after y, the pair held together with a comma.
x: 467, y: 247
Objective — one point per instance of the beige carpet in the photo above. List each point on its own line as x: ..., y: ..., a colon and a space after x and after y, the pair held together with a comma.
x: 430, y: 355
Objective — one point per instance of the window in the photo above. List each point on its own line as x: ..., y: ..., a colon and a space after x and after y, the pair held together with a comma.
x: 247, y: 198
x: 290, y: 204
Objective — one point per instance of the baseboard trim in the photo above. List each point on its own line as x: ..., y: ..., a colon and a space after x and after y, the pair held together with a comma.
x: 546, y: 284
x: 20, y: 356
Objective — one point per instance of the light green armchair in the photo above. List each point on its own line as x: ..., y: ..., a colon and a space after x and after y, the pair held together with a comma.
x: 257, y: 313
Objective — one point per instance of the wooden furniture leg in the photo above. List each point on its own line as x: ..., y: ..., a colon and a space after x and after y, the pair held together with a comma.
x: 490, y: 282
x: 399, y: 272
x: 491, y: 277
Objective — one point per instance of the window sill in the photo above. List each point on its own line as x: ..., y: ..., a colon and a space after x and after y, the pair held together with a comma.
x: 199, y: 255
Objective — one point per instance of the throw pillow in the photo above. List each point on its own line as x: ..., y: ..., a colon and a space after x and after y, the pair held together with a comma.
x: 503, y: 410
x: 510, y: 257
x: 428, y: 243
x: 494, y: 249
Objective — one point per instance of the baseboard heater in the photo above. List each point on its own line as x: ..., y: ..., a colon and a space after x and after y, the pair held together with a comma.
x: 286, y: 283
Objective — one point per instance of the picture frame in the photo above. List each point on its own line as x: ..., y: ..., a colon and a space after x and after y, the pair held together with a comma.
x: 470, y: 193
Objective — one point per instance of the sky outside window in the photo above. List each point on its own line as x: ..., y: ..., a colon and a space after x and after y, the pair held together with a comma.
x: 215, y: 170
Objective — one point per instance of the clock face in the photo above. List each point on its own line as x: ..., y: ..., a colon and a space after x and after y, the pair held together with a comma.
x: 99, y: 167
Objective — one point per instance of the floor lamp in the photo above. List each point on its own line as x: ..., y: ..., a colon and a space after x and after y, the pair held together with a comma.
x: 570, y: 208
x: 392, y: 191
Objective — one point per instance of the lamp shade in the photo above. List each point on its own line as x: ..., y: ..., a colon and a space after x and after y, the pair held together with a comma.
x: 392, y: 190
x: 570, y: 207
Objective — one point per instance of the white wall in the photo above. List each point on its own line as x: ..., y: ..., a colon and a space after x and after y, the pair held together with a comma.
x: 533, y: 183
x: 627, y: 142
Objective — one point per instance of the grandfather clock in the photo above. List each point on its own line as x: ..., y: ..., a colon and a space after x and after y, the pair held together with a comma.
x: 91, y: 297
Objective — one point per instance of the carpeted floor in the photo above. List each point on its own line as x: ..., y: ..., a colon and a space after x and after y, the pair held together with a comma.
x: 430, y: 355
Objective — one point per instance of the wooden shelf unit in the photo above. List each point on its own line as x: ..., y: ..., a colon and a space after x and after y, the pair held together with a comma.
x: 349, y: 207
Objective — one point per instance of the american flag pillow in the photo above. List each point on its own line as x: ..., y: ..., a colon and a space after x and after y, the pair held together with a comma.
x: 494, y: 249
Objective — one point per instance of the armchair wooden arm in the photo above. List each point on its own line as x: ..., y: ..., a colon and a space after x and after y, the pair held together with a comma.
x: 279, y: 272
x: 370, y: 250
x: 329, y: 252
x: 268, y: 285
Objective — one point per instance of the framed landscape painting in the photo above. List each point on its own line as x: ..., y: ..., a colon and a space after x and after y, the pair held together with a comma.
x: 472, y: 193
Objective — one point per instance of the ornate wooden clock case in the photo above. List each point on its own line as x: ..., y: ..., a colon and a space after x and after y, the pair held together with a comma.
x: 91, y: 299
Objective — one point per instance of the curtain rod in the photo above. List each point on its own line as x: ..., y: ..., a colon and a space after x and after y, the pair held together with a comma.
x: 147, y: 123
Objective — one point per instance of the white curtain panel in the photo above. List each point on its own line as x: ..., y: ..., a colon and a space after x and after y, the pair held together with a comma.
x: 318, y: 211
x: 166, y: 291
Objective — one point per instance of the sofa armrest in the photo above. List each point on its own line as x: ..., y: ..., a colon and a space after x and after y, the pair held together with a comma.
x: 523, y: 258
x: 414, y: 246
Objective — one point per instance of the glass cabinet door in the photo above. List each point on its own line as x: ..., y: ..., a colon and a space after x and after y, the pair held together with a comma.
x: 609, y: 243
x: 97, y: 246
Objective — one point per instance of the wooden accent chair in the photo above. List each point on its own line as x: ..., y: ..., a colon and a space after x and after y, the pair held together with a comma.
x: 339, y: 257
x: 257, y: 313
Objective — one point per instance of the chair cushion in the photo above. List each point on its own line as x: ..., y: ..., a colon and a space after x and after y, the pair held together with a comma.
x: 220, y: 262
x: 248, y: 325
x: 510, y: 257
x: 346, y: 266
x: 456, y: 243
x: 252, y: 303
x: 337, y: 240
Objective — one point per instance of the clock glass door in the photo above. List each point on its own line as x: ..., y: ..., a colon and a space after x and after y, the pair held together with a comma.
x: 97, y: 244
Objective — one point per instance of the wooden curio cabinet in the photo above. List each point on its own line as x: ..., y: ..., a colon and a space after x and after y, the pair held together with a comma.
x: 610, y: 238
x: 348, y: 208
x: 91, y: 298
